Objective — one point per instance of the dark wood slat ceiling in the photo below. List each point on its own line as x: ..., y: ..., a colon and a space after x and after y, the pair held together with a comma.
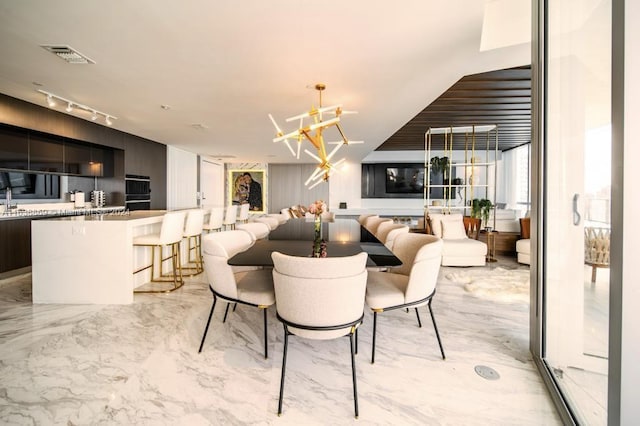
x: 500, y: 97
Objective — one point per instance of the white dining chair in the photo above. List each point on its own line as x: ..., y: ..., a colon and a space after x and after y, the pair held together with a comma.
x: 411, y: 285
x: 252, y: 288
x: 320, y: 298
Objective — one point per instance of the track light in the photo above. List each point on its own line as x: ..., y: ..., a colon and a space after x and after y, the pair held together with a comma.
x: 71, y: 106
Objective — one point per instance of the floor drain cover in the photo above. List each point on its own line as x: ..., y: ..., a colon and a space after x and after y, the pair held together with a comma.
x: 486, y: 372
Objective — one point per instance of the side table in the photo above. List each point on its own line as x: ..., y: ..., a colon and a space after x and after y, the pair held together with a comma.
x: 491, y: 244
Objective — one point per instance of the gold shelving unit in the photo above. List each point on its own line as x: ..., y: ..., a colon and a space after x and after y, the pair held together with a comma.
x: 480, y: 171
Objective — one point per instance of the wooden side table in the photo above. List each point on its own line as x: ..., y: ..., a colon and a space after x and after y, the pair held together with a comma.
x: 491, y: 245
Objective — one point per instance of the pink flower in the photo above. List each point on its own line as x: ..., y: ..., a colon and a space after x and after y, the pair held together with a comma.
x: 317, y: 207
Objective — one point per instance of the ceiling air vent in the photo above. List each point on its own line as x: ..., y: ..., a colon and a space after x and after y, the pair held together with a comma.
x: 69, y: 54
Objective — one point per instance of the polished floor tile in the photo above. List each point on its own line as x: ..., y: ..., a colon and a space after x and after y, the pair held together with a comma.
x: 139, y: 364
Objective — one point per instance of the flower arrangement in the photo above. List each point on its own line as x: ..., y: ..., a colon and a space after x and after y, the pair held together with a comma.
x: 317, y: 207
x: 319, y: 245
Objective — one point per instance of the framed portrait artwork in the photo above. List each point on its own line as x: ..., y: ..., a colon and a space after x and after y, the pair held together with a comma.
x: 247, y: 186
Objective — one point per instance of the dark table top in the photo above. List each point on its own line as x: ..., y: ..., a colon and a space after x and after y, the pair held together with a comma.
x: 344, y: 237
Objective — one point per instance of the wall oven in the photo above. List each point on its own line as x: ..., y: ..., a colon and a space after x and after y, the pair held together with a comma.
x: 137, y: 192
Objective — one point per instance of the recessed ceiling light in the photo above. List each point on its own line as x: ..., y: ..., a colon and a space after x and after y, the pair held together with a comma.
x: 199, y: 126
x: 165, y: 107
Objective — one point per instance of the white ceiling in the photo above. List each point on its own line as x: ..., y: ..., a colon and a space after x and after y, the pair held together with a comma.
x: 227, y: 64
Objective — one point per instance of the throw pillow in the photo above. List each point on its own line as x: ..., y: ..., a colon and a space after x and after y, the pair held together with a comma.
x: 453, y: 229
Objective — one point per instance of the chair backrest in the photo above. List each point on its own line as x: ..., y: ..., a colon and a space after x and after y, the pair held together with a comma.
x: 259, y: 230
x: 421, y: 255
x: 216, y: 217
x: 319, y: 291
x: 391, y: 233
x: 271, y: 222
x: 597, y: 242
x: 328, y: 216
x: 244, y: 212
x: 363, y: 217
x: 372, y: 223
x: 230, y: 215
x: 172, y: 227
x: 195, y: 222
x: 217, y: 248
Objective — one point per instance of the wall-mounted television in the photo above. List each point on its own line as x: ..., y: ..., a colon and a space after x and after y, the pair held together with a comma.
x: 404, y: 180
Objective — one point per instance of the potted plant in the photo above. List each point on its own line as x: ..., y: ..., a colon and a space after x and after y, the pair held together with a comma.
x: 481, y: 209
x: 440, y: 165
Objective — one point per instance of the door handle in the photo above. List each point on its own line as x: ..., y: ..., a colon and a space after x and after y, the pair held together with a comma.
x: 576, y: 213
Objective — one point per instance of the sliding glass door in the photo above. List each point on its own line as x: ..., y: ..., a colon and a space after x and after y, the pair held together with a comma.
x: 576, y: 200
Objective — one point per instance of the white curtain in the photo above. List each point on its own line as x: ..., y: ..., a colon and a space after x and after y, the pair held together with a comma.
x: 507, y: 192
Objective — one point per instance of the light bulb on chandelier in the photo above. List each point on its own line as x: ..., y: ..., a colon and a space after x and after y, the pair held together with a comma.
x: 313, y: 132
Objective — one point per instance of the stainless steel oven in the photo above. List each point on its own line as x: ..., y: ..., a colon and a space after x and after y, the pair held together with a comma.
x: 137, y: 192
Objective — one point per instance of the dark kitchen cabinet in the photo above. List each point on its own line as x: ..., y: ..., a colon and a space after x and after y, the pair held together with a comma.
x: 46, y: 154
x: 77, y: 158
x: 14, y: 149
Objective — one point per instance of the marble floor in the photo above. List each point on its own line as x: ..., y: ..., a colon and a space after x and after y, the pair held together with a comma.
x: 139, y: 364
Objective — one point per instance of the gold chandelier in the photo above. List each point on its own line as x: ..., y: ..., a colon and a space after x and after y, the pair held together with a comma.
x: 313, y: 132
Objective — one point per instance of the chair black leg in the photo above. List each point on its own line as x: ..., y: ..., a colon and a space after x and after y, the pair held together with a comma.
x: 265, y: 332
x: 235, y: 305
x: 206, y: 329
x: 226, y: 311
x: 284, y: 366
x: 353, y: 374
x: 373, y: 342
x: 356, y: 341
x: 433, y: 319
x: 418, y: 315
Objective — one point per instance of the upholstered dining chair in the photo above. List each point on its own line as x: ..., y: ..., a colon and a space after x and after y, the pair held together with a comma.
x: 230, y: 217
x: 363, y: 217
x: 216, y: 218
x: 388, y: 231
x: 271, y: 222
x: 259, y: 230
x: 372, y: 223
x: 411, y: 285
x: 320, y: 298
x: 253, y: 288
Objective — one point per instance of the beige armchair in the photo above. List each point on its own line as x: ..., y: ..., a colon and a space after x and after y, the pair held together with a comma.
x: 411, y: 285
x: 253, y: 288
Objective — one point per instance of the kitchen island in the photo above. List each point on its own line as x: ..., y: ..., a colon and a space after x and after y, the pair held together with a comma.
x: 90, y: 259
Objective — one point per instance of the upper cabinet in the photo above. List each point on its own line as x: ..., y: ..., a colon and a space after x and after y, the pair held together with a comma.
x: 22, y: 149
x: 14, y: 149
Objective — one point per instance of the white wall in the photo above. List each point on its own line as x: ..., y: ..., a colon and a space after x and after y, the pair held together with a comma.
x: 182, y: 179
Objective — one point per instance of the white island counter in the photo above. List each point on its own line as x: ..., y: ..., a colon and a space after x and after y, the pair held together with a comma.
x: 90, y: 259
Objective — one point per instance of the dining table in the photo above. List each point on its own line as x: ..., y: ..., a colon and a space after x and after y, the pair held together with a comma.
x: 342, y: 236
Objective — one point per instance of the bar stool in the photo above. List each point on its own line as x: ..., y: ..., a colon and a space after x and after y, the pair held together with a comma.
x: 243, y: 215
x: 230, y: 217
x: 216, y: 217
x: 193, y: 233
x: 170, y: 234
